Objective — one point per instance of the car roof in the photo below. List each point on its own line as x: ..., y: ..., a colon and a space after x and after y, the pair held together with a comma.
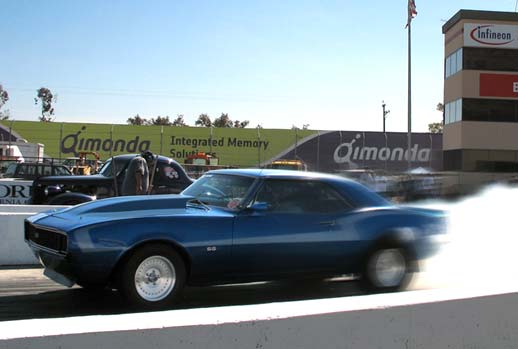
x: 131, y: 156
x: 275, y: 173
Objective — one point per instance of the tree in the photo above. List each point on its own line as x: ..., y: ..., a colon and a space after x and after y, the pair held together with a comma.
x: 203, y: 121
x: 435, y: 127
x: 45, y: 98
x: 161, y: 121
x: 223, y: 121
x: 179, y: 121
x: 241, y: 124
x: 4, y: 97
x: 137, y: 120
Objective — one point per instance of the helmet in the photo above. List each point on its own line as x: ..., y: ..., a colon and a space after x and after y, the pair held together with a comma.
x: 148, y: 156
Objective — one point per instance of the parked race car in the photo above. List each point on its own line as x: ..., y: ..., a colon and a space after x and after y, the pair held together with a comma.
x: 235, y: 226
x: 169, y: 178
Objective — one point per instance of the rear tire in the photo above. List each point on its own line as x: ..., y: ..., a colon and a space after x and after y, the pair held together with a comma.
x: 388, y: 268
x: 153, y: 276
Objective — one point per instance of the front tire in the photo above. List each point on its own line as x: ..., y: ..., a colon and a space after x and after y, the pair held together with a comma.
x: 387, y: 269
x: 153, y: 276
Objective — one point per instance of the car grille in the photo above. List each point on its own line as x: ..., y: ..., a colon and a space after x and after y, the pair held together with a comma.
x: 48, y: 239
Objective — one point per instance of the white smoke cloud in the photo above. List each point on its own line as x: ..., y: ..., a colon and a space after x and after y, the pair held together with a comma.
x: 483, y: 242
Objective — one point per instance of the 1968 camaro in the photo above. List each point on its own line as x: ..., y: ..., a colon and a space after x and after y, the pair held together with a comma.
x: 234, y: 226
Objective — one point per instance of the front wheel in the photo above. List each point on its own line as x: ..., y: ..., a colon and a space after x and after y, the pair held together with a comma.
x: 387, y: 269
x: 153, y: 276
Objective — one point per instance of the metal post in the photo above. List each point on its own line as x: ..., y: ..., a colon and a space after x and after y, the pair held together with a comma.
x: 210, y: 144
x: 386, y: 147
x: 385, y: 112
x: 259, y: 147
x: 161, y: 138
x: 318, y: 151
x: 60, y: 141
x: 111, y: 142
x: 9, y: 150
x: 296, y: 141
x: 409, y: 136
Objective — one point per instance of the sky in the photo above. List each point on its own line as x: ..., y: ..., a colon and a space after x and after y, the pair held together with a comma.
x: 322, y: 63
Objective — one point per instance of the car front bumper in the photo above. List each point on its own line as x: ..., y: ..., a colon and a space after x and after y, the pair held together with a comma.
x: 57, y: 267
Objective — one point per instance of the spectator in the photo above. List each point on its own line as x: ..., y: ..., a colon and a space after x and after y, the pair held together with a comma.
x: 136, y: 180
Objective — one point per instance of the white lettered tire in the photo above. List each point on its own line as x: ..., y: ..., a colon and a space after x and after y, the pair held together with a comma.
x: 153, y: 276
x: 387, y: 268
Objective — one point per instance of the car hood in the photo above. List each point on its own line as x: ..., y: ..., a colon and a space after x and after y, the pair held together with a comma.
x: 124, y: 208
x: 129, y: 204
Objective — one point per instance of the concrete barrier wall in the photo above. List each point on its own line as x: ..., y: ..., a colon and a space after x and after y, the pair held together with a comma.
x: 426, y: 320
x: 13, y: 249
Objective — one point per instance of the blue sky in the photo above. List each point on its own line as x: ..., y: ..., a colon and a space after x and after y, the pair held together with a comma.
x: 325, y: 63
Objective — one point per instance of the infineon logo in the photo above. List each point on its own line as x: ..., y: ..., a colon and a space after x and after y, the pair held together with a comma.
x: 489, y: 35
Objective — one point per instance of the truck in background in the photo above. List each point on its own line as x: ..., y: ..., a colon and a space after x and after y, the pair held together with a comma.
x: 19, y: 151
x: 22, y: 150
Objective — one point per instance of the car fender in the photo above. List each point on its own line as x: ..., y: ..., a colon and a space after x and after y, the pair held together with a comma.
x: 63, y: 199
x: 123, y: 257
x: 401, y: 236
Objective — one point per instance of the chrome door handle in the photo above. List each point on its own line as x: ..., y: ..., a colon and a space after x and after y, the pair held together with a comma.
x: 329, y: 223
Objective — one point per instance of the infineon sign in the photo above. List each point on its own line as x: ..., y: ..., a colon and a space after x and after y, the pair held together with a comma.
x: 490, y: 35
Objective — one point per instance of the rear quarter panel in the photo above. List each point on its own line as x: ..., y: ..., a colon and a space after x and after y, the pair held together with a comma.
x: 365, y: 228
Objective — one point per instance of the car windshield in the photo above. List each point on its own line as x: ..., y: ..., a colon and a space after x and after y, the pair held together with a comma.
x: 220, y: 189
x: 106, y: 169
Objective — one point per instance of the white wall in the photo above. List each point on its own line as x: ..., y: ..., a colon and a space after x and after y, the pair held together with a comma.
x: 418, y: 319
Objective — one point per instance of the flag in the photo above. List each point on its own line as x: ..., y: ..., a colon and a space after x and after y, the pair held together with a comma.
x: 412, y: 12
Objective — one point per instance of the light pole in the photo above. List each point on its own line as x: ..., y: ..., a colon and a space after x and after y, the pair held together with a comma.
x: 385, y: 112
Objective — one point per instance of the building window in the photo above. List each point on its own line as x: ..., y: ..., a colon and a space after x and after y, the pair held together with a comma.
x: 453, y: 111
x: 493, y: 110
x: 492, y: 59
x: 452, y: 160
x: 453, y: 63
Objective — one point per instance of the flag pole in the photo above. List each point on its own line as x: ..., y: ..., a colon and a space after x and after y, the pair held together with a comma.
x: 409, y: 135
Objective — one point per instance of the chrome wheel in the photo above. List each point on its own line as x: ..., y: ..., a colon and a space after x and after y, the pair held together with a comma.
x: 155, y: 278
x: 388, y: 268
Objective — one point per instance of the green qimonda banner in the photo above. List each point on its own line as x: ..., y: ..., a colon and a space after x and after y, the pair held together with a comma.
x: 234, y: 147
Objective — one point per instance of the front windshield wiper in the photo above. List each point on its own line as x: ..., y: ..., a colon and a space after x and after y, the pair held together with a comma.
x: 198, y: 203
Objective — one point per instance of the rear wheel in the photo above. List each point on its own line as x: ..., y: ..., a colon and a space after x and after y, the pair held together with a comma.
x: 153, y: 276
x: 388, y: 268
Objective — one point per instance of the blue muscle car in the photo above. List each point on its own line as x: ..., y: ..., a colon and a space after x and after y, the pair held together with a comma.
x: 234, y: 226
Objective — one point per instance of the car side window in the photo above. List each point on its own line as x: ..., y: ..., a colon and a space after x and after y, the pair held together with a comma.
x: 59, y: 171
x: 47, y: 170
x: 31, y: 171
x: 22, y: 170
x: 166, y: 173
x: 300, y: 196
